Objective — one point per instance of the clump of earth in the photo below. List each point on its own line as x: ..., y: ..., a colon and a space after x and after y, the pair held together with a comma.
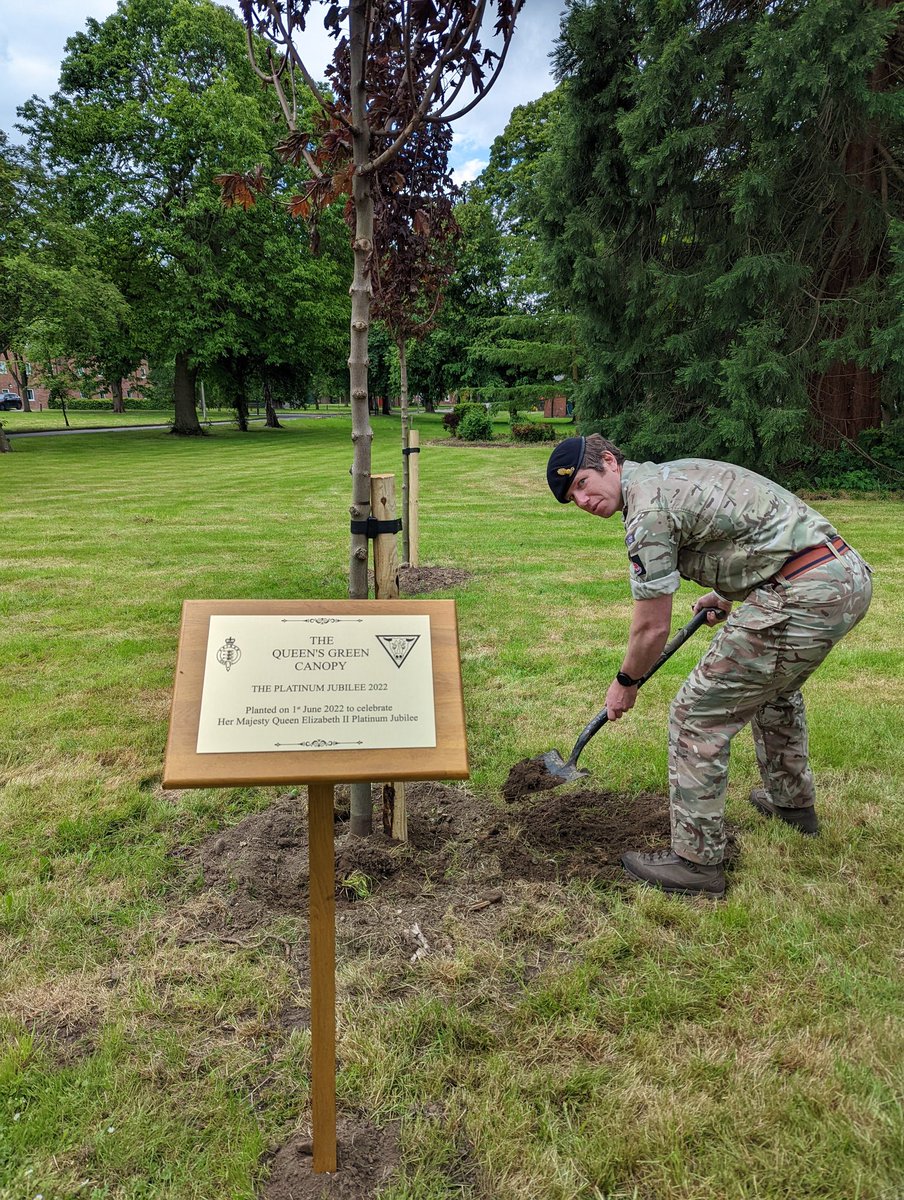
x: 529, y: 775
x: 365, y: 1158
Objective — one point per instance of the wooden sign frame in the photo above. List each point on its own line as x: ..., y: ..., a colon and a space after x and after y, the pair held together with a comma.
x: 185, y: 767
x: 320, y: 770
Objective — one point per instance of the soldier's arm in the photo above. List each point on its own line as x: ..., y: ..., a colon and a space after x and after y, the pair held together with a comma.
x: 650, y: 622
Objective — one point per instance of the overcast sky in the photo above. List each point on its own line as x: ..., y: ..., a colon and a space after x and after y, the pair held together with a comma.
x: 33, y: 34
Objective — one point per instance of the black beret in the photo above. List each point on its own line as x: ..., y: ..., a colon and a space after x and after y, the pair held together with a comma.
x: 563, y: 464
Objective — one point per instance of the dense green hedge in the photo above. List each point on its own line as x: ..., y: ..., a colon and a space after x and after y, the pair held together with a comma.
x: 102, y: 404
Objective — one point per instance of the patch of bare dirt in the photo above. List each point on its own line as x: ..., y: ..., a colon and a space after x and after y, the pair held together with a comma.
x: 460, y: 851
x: 416, y: 581
x: 366, y: 1157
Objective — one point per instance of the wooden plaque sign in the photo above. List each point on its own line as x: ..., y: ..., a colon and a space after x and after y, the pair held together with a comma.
x: 308, y: 691
x: 316, y: 692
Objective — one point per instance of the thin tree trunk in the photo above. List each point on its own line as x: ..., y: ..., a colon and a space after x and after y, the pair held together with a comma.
x: 185, y: 418
x: 118, y: 403
x: 241, y: 405
x: 271, y: 421
x: 19, y: 372
x: 5, y: 447
x: 361, y: 293
x: 361, y: 817
x: 403, y: 406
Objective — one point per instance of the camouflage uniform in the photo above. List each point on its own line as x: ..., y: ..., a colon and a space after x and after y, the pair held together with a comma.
x: 732, y: 530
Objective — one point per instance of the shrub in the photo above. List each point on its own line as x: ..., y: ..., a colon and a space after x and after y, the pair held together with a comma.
x: 534, y: 431
x: 452, y: 420
x: 475, y: 424
x: 878, y: 464
x: 105, y: 404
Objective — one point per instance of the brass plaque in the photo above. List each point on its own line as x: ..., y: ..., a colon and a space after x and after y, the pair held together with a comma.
x: 314, y: 691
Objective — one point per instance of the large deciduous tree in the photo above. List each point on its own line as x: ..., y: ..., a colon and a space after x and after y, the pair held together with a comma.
x: 154, y: 102
x: 725, y: 216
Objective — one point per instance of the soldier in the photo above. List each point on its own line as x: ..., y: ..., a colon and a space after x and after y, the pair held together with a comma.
x: 801, y: 588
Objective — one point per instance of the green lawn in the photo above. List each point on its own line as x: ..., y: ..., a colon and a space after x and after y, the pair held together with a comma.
x: 104, y: 418
x: 583, y: 1042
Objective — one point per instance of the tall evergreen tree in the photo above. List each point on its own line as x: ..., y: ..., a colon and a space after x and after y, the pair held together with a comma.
x: 503, y: 334
x: 725, y: 216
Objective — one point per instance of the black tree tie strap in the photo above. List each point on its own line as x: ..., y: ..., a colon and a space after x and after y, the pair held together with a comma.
x: 411, y: 449
x: 374, y: 528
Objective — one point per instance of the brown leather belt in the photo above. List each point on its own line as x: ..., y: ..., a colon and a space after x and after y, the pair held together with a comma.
x: 805, y: 560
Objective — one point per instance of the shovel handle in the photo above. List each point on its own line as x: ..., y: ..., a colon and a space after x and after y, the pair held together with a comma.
x: 676, y: 643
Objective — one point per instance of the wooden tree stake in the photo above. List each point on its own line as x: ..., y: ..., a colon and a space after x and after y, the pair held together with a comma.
x: 386, y: 555
x: 414, y: 496
x: 322, y: 916
x: 395, y: 814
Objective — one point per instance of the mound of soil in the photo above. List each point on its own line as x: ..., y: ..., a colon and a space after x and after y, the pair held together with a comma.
x: 458, y: 852
x: 366, y: 1156
x: 529, y: 775
x: 584, y: 834
x: 416, y: 581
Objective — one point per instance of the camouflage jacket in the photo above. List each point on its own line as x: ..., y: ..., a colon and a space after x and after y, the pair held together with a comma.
x: 721, y: 526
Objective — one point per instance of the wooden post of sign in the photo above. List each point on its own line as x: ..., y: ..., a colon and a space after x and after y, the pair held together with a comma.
x: 386, y: 587
x: 414, y: 496
x: 322, y: 917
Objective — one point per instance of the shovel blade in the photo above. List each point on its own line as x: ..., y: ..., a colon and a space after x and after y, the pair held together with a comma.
x: 565, y: 772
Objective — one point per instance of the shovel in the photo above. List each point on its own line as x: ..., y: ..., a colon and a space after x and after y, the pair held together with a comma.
x: 568, y: 772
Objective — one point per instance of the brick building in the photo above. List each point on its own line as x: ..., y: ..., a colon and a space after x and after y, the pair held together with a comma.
x: 38, y: 393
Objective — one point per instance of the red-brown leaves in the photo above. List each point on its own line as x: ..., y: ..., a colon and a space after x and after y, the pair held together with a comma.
x: 241, y: 189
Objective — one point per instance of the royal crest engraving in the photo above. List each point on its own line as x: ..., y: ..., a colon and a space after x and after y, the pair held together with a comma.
x: 229, y: 654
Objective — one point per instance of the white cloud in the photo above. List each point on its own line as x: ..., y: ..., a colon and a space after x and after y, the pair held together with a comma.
x: 467, y: 171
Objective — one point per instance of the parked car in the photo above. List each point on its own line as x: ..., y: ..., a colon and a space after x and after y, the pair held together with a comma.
x: 10, y: 400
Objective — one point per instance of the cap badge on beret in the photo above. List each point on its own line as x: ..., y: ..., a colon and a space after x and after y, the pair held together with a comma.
x: 565, y: 471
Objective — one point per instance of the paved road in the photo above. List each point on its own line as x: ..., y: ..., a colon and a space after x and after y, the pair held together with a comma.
x: 18, y: 433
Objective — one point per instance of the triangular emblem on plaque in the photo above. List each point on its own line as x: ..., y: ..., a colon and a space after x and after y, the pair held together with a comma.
x: 398, y: 645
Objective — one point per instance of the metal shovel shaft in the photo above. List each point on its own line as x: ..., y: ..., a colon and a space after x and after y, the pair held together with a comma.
x: 568, y: 769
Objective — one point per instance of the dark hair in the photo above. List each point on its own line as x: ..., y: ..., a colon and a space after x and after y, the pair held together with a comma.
x: 595, y: 449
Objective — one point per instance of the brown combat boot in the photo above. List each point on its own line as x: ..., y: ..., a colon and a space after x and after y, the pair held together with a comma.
x: 803, y: 819
x: 667, y: 870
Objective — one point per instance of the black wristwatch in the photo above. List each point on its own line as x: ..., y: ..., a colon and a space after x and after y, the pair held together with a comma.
x: 626, y: 680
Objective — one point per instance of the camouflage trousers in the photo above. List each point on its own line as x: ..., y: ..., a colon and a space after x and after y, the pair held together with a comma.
x: 753, y: 672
